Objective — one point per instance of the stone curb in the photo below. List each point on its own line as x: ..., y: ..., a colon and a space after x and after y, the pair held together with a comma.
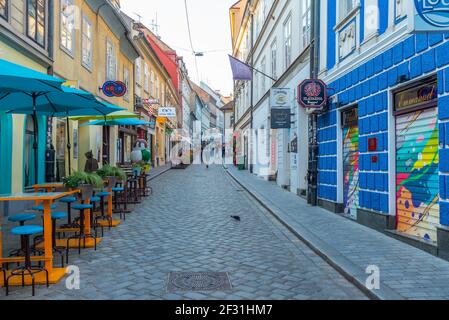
x: 344, y: 266
x: 159, y: 174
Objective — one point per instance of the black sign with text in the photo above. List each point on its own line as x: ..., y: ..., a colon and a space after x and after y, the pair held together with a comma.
x: 281, y: 118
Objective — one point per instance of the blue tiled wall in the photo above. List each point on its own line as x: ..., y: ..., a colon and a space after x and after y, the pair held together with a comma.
x: 369, y: 85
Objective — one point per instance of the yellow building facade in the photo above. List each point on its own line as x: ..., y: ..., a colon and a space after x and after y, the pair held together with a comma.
x: 92, y: 45
x: 152, y: 86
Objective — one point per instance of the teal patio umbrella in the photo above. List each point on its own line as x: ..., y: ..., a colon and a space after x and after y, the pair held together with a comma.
x: 71, y: 102
x: 14, y: 77
x: 119, y: 122
x: 21, y: 82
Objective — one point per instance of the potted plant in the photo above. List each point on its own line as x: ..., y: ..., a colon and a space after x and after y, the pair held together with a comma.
x: 85, y: 182
x: 112, y: 174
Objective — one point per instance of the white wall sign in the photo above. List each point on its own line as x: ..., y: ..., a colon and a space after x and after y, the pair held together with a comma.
x: 280, y: 98
x: 168, y: 112
x: 428, y: 15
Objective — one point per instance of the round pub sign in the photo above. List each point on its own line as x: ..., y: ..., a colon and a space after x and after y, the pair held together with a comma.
x: 312, y: 94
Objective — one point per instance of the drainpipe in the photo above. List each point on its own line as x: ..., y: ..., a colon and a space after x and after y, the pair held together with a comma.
x: 312, y: 194
x: 251, y: 169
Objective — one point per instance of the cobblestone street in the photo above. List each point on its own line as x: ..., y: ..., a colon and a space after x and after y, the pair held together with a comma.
x: 186, y: 226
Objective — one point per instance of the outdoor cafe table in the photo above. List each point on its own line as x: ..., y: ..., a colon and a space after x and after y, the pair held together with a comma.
x: 48, y: 187
x: 55, y: 274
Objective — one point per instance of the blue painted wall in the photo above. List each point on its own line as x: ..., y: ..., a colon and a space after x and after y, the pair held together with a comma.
x: 369, y: 85
x: 331, y: 36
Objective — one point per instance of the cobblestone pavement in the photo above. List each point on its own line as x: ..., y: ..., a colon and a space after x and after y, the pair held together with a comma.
x: 405, y: 271
x: 186, y: 226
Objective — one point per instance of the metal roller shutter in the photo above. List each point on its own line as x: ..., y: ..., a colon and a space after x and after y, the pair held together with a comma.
x: 417, y: 177
x: 351, y: 170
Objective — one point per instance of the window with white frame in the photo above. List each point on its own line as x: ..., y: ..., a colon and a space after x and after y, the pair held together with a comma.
x: 371, y: 13
x: 256, y: 85
x: 111, y: 61
x: 4, y: 8
x: 346, y: 7
x: 86, y: 43
x: 146, y: 80
x: 152, y: 90
x: 306, y: 22
x: 263, y: 67
x: 138, y: 67
x: 288, y: 42
x: 274, y: 62
x: 400, y: 9
x: 126, y: 82
x: 67, y: 25
x: 157, y: 96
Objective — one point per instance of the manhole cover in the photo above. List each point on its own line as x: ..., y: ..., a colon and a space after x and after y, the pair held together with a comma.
x: 198, y: 281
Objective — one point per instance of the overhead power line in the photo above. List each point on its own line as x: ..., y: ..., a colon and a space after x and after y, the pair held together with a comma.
x: 191, y: 42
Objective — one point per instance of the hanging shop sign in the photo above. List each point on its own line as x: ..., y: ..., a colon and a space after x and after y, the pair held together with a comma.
x: 114, y: 89
x: 151, y: 101
x: 280, y: 98
x: 428, y: 16
x: 416, y: 97
x: 168, y: 112
x: 281, y: 118
x: 312, y: 94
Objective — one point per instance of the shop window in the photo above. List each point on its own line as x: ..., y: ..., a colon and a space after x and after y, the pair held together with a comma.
x: 4, y: 8
x: 36, y: 16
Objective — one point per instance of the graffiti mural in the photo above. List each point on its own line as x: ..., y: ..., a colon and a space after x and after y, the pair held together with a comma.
x: 417, y: 174
x: 351, y: 170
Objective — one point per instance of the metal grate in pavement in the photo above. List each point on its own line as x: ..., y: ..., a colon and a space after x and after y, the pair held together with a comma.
x: 198, y: 281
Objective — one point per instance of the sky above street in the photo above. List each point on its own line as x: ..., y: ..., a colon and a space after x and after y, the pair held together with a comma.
x: 209, y: 25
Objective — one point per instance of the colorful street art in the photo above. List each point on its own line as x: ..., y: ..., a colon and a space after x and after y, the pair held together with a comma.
x: 351, y: 170
x: 417, y: 167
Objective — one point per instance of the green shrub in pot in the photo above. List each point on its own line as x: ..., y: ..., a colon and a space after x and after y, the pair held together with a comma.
x: 79, y: 179
x: 110, y: 171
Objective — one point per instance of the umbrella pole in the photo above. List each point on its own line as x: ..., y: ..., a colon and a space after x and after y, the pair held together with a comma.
x: 35, y: 127
x: 69, y: 146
